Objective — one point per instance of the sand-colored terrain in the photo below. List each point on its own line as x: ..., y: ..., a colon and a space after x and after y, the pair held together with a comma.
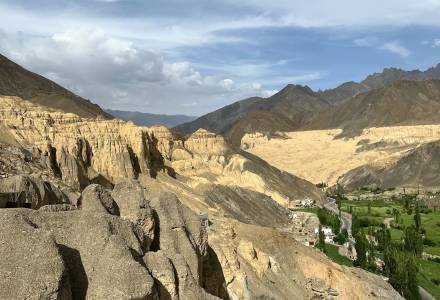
x: 320, y: 156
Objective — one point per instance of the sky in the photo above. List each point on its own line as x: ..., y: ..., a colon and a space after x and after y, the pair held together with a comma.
x: 194, y: 56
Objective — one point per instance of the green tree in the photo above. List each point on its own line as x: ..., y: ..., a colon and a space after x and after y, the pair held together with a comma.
x: 321, y: 239
x: 361, y: 250
x: 396, y: 214
x: 413, y: 241
x: 355, y: 225
x: 401, y: 269
x: 383, y: 238
x: 417, y: 218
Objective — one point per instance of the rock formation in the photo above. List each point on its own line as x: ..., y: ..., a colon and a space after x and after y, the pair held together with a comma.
x: 85, y: 151
x: 91, y: 253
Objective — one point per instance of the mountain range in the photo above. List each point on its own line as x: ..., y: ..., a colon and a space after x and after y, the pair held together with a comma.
x: 298, y: 107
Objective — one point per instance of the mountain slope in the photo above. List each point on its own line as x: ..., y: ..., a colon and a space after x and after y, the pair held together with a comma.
x: 377, y: 80
x: 401, y: 103
x: 288, y: 109
x: 17, y: 81
x: 418, y: 166
x: 147, y: 119
x: 221, y: 119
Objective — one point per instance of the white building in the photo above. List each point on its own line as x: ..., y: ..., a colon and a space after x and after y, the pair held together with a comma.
x: 307, y: 203
x: 328, y: 233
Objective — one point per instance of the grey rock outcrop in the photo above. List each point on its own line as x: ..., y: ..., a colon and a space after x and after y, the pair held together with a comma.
x: 97, y: 199
x: 31, y: 266
x: 179, y: 240
x: 100, y: 252
x: 29, y: 192
x: 90, y: 252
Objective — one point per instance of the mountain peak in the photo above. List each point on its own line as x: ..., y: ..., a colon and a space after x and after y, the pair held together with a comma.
x: 295, y: 88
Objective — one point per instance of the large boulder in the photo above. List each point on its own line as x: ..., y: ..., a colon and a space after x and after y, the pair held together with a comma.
x: 31, y: 266
x: 131, y: 199
x: 95, y: 198
x: 181, y: 236
x: 29, y: 192
x: 102, y: 254
x: 179, y: 239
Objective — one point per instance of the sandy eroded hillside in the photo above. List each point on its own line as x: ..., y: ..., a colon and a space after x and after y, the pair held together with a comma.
x: 321, y: 156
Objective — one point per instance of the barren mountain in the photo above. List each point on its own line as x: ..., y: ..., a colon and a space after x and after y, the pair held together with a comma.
x: 17, y: 81
x: 419, y: 166
x: 388, y: 76
x: 220, y: 120
x: 299, y: 104
x: 290, y: 108
x: 401, y: 103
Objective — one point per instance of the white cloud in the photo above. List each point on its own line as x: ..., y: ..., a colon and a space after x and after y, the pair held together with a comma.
x: 268, y: 93
x: 366, y: 41
x: 396, y: 48
x: 127, y: 65
x: 116, y: 73
x: 436, y: 43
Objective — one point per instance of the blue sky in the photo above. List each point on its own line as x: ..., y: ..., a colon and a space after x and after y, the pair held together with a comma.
x: 194, y: 56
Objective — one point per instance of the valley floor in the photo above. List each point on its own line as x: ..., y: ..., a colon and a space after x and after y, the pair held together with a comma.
x: 322, y: 156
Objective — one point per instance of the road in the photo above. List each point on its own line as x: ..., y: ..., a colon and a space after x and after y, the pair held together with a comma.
x: 345, y: 218
x: 425, y: 295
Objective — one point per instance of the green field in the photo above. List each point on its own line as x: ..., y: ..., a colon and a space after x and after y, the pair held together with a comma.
x: 332, y: 252
x: 429, y: 270
x: 381, y: 210
x: 430, y: 224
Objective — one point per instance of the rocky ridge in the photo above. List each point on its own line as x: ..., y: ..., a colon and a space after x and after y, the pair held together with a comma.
x: 85, y: 151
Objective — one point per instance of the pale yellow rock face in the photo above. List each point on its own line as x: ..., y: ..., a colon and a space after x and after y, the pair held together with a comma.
x: 103, y: 145
x: 319, y: 156
x: 117, y: 150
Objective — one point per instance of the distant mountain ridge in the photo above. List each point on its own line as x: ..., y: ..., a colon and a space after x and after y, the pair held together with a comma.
x: 147, y: 119
x: 377, y: 80
x: 17, y: 81
x: 291, y: 107
x: 403, y: 102
x: 298, y: 107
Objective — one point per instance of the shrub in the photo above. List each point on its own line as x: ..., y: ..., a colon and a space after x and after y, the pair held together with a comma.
x: 368, y: 222
x: 436, y: 281
x: 329, y: 219
x: 428, y: 242
x: 425, y: 211
x: 434, y: 259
